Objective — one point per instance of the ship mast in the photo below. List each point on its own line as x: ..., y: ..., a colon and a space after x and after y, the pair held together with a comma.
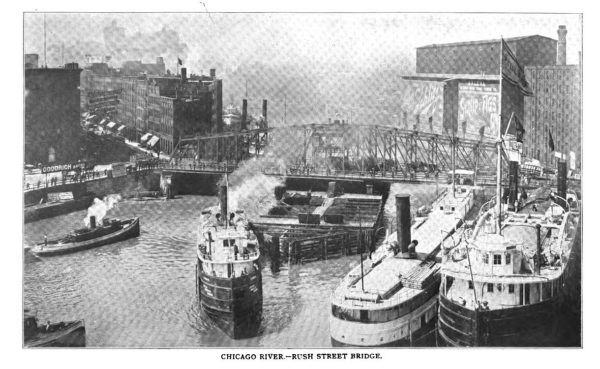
x: 499, y: 143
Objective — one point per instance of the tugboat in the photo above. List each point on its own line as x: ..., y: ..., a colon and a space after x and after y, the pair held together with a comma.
x: 393, y: 301
x: 507, y: 283
x: 228, y: 274
x: 63, y: 334
x: 110, y: 231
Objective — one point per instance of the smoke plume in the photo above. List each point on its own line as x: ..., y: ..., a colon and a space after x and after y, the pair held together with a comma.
x: 143, y: 46
x: 100, y: 207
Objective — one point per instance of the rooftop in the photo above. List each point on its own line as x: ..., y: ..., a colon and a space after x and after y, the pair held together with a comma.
x: 483, y: 42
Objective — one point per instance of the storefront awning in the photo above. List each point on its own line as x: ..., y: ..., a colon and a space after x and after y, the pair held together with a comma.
x: 121, y: 128
x: 153, y: 141
x: 111, y: 124
x: 146, y: 136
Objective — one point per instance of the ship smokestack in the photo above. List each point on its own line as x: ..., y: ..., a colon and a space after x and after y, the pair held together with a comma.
x: 513, y: 183
x: 223, y: 201
x: 92, y: 222
x: 403, y: 221
x: 561, y: 46
x: 561, y: 182
x: 264, y: 112
x: 244, y: 114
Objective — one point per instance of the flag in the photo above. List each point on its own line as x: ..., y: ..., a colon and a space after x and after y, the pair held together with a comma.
x: 551, y: 141
x: 512, y: 70
x: 520, y: 129
x: 179, y: 61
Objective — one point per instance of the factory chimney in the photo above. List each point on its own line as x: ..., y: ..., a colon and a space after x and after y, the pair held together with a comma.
x: 184, y: 75
x: 244, y: 114
x: 561, y: 46
x: 264, y: 111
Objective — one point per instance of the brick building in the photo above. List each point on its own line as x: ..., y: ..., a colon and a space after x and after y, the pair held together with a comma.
x: 555, y: 108
x: 483, y: 57
x: 100, y: 90
x: 52, y: 114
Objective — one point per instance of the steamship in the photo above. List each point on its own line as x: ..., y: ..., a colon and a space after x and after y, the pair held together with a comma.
x: 228, y: 275
x: 110, y: 231
x: 505, y: 285
x: 393, y: 301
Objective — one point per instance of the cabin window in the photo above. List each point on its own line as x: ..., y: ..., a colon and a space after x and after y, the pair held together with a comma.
x: 441, y: 208
x: 453, y: 208
x: 470, y: 285
x: 511, y: 288
x: 490, y: 287
x: 499, y: 287
x: 364, y: 316
x: 507, y: 259
x: 497, y: 259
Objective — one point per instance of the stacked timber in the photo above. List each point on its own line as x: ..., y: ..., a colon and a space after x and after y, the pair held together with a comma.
x: 422, y: 275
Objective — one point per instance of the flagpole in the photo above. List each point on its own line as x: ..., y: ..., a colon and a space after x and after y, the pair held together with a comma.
x: 499, y: 143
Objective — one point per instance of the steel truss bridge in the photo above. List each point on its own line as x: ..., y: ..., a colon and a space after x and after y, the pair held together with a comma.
x: 339, y: 150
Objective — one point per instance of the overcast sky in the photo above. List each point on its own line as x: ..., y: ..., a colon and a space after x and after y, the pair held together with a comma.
x: 230, y: 39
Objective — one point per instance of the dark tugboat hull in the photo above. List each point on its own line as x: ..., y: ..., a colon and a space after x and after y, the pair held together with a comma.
x: 234, y: 305
x: 129, y: 231
x: 71, y: 335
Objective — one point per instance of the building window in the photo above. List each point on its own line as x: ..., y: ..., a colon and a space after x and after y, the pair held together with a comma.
x: 497, y: 259
x: 507, y: 259
x: 511, y: 288
x: 490, y: 287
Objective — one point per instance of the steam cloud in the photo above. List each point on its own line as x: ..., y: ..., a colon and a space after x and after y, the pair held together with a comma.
x: 100, y: 207
x: 143, y: 46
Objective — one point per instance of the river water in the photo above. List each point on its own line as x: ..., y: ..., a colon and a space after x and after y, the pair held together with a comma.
x: 141, y: 292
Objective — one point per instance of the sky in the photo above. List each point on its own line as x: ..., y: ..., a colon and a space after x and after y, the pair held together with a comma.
x: 310, y: 66
x: 229, y: 39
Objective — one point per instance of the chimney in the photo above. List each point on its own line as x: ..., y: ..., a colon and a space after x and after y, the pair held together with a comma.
x: 92, y: 222
x: 513, y: 183
x: 213, y: 73
x: 244, y: 114
x: 223, y: 201
x: 403, y: 221
x: 183, y: 74
x: 561, y: 46
x: 561, y: 182
x: 264, y: 111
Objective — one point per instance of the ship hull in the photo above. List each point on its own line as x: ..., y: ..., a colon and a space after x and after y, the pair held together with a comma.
x: 233, y: 304
x: 554, y: 322
x: 416, y: 329
x: 73, y: 335
x: 128, y: 231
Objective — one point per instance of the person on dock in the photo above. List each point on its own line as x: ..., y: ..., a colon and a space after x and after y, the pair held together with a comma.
x: 412, y: 249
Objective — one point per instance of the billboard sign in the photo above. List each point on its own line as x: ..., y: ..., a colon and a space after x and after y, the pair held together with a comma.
x: 478, y: 110
x: 422, y: 105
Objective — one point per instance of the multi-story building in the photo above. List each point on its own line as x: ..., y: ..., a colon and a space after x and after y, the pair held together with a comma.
x: 52, y: 114
x: 483, y: 57
x: 100, y: 90
x: 555, y: 109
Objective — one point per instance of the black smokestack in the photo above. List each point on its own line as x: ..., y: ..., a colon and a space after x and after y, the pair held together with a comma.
x: 223, y: 201
x: 92, y: 222
x: 183, y: 74
x: 561, y: 182
x: 244, y: 114
x: 403, y: 221
x: 561, y: 46
x: 513, y: 182
x: 264, y: 111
